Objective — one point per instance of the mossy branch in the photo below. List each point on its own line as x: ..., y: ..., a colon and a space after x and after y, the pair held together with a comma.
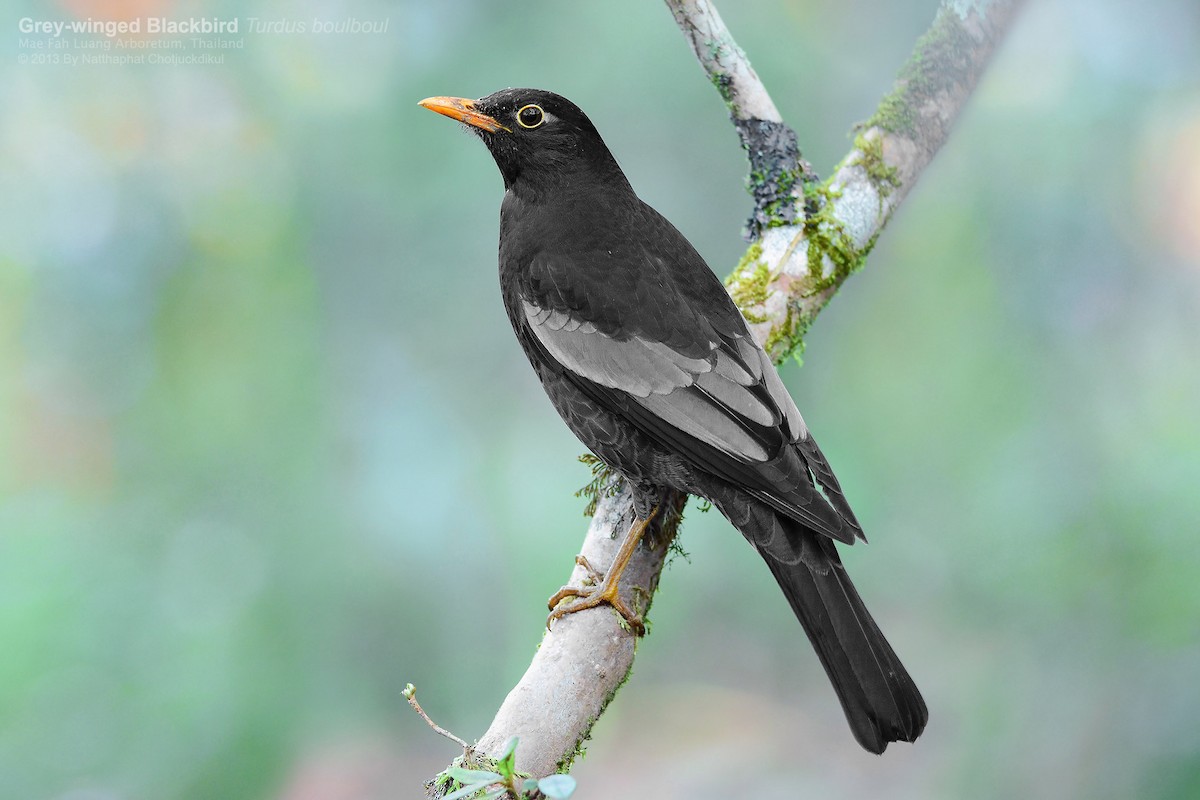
x: 809, y: 236
x: 808, y: 260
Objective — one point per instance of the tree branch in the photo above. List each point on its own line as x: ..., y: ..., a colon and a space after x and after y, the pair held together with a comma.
x: 776, y: 169
x: 809, y: 237
x: 785, y: 278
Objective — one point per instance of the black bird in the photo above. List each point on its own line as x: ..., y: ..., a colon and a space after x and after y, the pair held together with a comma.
x: 649, y: 362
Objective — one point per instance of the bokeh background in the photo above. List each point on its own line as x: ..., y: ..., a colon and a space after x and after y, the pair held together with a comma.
x: 270, y: 451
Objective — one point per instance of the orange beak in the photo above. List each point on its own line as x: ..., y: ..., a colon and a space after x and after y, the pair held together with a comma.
x: 463, y: 110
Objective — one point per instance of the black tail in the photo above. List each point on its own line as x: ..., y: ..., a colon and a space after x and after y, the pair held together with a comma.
x: 881, y: 701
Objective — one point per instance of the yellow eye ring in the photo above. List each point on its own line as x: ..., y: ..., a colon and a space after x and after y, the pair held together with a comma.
x: 530, y: 116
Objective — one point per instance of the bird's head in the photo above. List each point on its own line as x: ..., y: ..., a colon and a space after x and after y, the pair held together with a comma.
x: 539, y: 139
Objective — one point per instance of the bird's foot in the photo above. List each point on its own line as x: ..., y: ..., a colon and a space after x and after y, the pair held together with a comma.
x: 604, y: 591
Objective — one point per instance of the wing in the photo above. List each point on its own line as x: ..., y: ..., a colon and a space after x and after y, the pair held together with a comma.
x: 711, y: 396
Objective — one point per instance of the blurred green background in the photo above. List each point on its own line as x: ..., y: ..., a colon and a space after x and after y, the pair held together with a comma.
x: 270, y: 451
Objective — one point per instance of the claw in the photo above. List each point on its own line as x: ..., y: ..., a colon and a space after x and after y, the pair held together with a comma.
x: 590, y: 598
x: 605, y: 589
x: 595, y: 576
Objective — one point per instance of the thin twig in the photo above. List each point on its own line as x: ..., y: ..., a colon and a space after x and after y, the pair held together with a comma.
x: 725, y: 62
x: 410, y: 694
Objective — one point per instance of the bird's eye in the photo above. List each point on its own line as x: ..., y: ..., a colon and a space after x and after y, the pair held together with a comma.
x: 530, y: 116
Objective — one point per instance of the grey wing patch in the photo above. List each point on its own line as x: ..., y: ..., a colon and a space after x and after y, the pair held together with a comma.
x: 737, y: 398
x: 558, y: 320
x: 732, y: 399
x: 538, y: 316
x: 728, y: 367
x: 637, y: 366
x: 739, y: 369
x: 696, y: 415
x: 783, y: 399
x: 731, y: 406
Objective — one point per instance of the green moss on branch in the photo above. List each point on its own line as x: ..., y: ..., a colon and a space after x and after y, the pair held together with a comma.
x: 883, y: 177
x: 750, y: 284
x: 942, y: 56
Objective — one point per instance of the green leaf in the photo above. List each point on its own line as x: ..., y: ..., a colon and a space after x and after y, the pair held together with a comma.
x: 506, y: 765
x: 464, y: 775
x: 495, y: 793
x: 510, y: 747
x: 468, y: 791
x: 558, y: 787
x: 529, y: 785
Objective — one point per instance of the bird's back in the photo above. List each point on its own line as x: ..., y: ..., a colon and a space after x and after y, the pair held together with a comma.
x: 610, y: 257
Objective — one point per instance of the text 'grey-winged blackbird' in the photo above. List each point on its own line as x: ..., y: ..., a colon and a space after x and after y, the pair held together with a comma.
x: 650, y: 363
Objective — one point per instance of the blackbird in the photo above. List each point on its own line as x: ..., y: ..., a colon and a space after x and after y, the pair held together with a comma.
x: 650, y: 363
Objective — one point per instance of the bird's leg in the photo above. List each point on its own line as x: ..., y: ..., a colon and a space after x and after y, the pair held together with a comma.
x: 607, y: 590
